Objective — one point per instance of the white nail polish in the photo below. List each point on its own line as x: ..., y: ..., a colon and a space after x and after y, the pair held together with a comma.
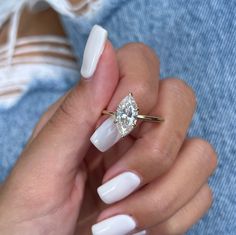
x: 116, y: 225
x: 93, y: 50
x: 144, y: 232
x: 119, y: 187
x: 106, y: 135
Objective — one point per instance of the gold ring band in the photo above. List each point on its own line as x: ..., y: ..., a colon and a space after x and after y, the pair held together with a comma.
x: 127, y: 114
x: 146, y: 118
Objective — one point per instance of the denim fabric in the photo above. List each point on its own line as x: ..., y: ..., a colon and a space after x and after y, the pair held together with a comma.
x: 195, y: 41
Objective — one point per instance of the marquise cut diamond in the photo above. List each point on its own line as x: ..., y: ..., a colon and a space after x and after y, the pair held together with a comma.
x: 126, y: 115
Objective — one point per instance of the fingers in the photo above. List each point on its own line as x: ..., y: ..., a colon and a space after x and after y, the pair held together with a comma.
x: 187, y: 216
x: 53, y: 157
x: 162, y: 198
x: 157, y: 146
x: 139, y: 73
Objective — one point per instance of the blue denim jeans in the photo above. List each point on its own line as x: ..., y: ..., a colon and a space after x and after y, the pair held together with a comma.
x: 195, y: 41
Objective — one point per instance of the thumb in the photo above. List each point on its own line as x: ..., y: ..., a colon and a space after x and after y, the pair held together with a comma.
x: 59, y: 148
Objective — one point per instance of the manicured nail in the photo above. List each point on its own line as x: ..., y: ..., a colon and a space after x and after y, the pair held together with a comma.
x: 116, y: 225
x: 106, y: 135
x: 144, y: 232
x: 119, y: 187
x: 93, y: 50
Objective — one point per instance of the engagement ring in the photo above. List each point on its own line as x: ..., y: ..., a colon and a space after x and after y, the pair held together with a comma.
x: 127, y: 114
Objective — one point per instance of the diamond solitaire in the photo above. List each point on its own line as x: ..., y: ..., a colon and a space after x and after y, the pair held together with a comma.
x: 127, y: 115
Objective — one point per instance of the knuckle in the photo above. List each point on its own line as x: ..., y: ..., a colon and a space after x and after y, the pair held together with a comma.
x: 159, y: 158
x: 163, y: 205
x: 146, y: 94
x: 172, y: 228
x: 142, y: 49
x: 160, y: 155
x: 206, y: 152
x: 138, y: 46
x: 65, y: 113
x: 70, y: 109
x: 141, y: 89
x: 182, y: 91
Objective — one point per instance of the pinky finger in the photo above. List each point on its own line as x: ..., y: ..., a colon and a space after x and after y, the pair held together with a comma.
x: 187, y: 216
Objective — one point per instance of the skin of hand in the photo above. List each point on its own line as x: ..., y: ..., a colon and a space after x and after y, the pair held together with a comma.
x: 52, y: 188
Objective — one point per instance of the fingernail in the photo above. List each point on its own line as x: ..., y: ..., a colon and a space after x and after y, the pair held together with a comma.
x: 106, y: 135
x: 116, y: 225
x: 93, y: 50
x: 144, y: 232
x: 119, y: 187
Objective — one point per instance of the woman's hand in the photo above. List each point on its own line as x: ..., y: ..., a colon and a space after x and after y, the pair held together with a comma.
x: 53, y: 187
